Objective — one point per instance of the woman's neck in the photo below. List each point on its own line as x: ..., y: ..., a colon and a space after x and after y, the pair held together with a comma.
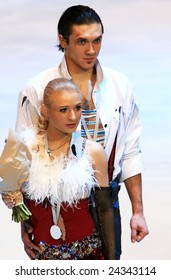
x: 57, y: 143
x: 56, y: 135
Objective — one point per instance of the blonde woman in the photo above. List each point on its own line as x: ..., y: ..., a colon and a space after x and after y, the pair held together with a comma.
x: 63, y: 170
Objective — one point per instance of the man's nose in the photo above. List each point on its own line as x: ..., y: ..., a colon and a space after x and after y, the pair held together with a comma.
x: 90, y: 48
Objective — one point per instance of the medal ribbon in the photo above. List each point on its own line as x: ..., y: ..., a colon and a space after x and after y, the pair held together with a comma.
x: 54, y: 230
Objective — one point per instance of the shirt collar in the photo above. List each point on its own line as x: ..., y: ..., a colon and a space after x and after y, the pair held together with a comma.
x: 76, y: 144
x: 65, y: 73
x: 64, y: 70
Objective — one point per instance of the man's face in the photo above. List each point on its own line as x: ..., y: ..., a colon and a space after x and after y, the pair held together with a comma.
x: 83, y: 48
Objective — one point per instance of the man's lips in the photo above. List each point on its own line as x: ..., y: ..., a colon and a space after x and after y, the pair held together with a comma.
x: 89, y: 59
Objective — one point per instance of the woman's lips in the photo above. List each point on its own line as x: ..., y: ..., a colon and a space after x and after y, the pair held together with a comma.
x: 71, y: 125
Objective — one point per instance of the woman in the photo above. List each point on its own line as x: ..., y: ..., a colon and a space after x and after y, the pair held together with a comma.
x: 64, y: 170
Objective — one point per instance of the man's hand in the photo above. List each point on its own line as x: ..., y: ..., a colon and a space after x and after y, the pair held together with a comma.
x: 138, y: 224
x: 26, y: 236
x: 139, y: 228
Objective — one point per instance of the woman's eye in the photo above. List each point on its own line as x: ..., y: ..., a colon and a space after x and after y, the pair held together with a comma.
x: 63, y: 110
x: 78, y: 108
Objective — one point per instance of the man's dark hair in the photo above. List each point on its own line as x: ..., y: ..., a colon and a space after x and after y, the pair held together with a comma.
x: 76, y: 15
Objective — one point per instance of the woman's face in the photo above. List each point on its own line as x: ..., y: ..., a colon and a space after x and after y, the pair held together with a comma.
x: 64, y: 112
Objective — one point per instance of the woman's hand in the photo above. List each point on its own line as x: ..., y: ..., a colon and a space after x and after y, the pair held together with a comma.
x: 8, y: 199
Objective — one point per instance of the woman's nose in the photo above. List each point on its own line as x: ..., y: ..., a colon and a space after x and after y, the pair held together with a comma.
x: 72, y: 115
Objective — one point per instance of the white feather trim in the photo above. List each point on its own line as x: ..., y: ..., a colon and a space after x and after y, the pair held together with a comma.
x: 29, y: 134
x: 63, y: 180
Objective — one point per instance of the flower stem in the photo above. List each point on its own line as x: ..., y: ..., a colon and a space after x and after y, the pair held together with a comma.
x: 20, y: 213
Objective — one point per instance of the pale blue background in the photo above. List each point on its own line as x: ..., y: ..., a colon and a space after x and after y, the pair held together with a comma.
x: 137, y: 41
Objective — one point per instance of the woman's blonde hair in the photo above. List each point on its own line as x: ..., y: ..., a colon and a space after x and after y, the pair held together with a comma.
x: 55, y: 86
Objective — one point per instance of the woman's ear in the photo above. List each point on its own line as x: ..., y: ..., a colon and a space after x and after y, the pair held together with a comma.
x: 45, y: 111
x: 62, y: 41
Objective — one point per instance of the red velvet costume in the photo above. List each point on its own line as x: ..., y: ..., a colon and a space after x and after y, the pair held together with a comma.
x: 77, y: 220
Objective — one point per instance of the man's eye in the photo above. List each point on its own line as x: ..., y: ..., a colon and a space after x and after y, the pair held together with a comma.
x: 81, y: 42
x: 98, y: 40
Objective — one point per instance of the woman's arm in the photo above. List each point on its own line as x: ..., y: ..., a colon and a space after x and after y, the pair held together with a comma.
x: 100, y: 162
x: 103, y: 201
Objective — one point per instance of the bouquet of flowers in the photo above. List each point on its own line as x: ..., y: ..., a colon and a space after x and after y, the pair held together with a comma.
x: 14, y: 169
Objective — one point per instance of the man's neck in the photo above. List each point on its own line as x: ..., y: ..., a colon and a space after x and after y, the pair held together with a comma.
x: 85, y: 80
x: 80, y: 75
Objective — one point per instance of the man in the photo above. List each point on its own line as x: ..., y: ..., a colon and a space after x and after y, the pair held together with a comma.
x: 110, y: 114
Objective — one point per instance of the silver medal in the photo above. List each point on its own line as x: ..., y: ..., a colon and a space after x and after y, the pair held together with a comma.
x: 55, y: 232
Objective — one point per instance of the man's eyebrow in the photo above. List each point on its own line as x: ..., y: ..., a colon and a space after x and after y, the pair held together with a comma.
x: 85, y: 39
x: 99, y: 37
x: 81, y: 38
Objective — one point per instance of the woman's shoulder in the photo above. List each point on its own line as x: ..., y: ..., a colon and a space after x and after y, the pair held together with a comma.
x: 32, y: 138
x: 100, y: 162
x: 92, y: 145
x: 95, y: 150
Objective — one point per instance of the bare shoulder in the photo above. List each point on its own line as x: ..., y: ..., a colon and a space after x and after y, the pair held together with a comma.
x: 95, y: 150
x: 93, y: 146
x: 100, y: 162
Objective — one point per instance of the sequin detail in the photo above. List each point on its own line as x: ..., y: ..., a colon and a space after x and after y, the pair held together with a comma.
x: 89, y: 248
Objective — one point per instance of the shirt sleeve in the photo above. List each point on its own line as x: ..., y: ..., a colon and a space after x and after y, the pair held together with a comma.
x: 27, y: 109
x: 132, y: 163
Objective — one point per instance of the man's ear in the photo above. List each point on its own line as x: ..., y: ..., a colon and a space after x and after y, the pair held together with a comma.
x: 62, y: 41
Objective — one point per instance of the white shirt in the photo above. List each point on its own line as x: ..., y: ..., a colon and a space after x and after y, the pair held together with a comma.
x: 113, y: 98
